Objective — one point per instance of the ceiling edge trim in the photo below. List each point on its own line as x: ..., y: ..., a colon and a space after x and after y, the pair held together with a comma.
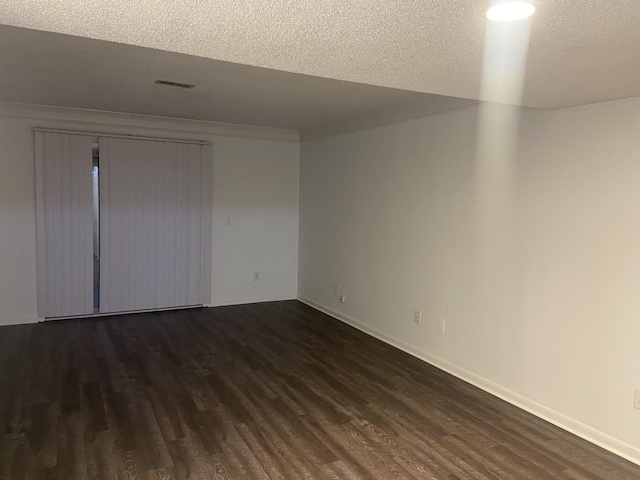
x: 133, y: 120
x: 383, y: 117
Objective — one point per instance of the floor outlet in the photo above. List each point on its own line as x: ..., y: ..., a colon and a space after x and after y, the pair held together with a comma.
x: 343, y: 299
x: 636, y: 399
x: 417, y: 317
x: 441, y: 322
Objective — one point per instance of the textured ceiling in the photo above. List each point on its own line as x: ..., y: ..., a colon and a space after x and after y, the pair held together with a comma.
x: 46, y: 68
x: 581, y: 51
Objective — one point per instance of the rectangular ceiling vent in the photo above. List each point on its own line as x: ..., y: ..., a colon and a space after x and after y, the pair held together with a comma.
x: 174, y: 84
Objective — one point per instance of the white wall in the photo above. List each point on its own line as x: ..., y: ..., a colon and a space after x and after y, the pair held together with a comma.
x: 529, y: 251
x: 255, y: 180
x: 256, y: 183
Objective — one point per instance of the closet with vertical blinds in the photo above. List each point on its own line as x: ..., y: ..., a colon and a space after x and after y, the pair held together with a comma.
x: 153, y: 249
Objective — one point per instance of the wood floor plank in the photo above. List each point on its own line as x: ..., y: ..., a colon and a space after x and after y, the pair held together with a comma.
x: 268, y: 391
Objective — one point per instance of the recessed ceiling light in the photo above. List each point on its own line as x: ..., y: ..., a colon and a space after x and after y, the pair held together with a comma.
x: 510, y: 11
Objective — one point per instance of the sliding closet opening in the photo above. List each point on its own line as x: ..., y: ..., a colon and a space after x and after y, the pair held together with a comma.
x: 96, y: 226
x: 123, y: 223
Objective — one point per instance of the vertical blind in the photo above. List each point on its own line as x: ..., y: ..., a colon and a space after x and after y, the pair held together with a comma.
x: 64, y: 224
x: 155, y: 224
x: 155, y: 243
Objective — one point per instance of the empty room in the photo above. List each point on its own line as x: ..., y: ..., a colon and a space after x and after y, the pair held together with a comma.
x: 319, y: 240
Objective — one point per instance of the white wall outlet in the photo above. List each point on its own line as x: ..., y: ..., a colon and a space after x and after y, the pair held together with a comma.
x: 336, y: 288
x: 636, y: 399
x: 441, y: 323
x: 231, y: 220
x: 256, y: 276
x: 417, y: 317
x: 343, y: 299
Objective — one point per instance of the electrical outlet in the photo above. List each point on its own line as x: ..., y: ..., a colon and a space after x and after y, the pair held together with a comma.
x: 636, y: 399
x: 343, y: 299
x: 417, y: 317
x: 256, y: 276
x: 231, y: 220
x: 336, y: 288
x: 441, y: 323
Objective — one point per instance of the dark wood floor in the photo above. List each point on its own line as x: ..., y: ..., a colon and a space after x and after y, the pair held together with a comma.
x: 273, y: 390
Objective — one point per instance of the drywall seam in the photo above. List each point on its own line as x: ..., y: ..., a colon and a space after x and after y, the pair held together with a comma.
x: 558, y: 419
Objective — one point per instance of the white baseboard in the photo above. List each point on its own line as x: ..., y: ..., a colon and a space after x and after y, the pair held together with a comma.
x: 244, y: 301
x: 4, y: 322
x: 569, y: 424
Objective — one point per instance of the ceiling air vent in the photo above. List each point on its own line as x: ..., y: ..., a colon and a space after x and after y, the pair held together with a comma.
x: 174, y: 84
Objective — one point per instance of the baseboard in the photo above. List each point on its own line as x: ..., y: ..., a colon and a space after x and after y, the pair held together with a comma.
x: 5, y: 322
x: 244, y: 301
x: 569, y: 424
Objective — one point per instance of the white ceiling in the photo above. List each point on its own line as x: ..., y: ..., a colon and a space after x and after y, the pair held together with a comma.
x: 46, y: 68
x: 580, y: 51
